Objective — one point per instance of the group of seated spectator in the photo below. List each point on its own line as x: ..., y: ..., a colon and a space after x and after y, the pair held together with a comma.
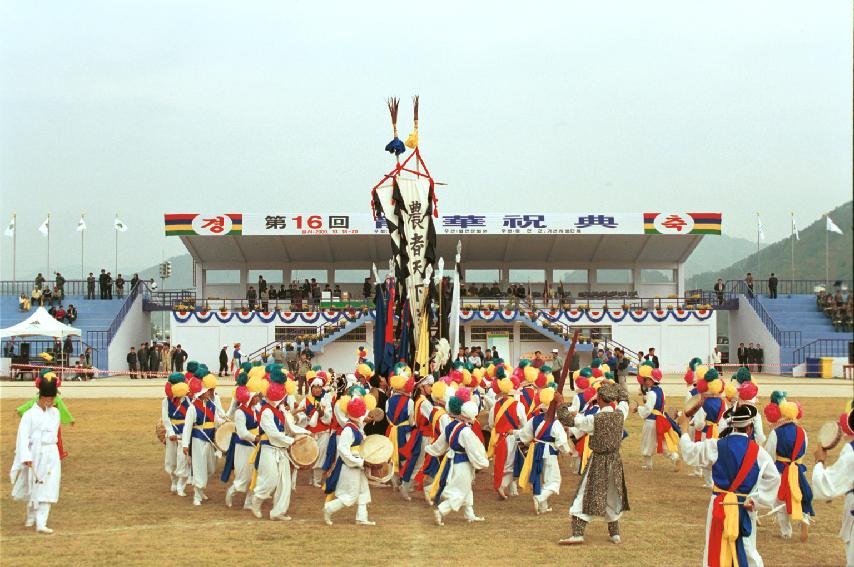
x: 838, y: 307
x: 64, y: 315
x: 306, y: 292
x: 607, y: 294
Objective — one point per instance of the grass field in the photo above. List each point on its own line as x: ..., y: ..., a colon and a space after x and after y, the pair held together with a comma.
x: 115, y: 508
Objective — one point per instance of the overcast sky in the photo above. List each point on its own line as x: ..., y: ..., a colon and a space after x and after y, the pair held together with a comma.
x: 141, y: 108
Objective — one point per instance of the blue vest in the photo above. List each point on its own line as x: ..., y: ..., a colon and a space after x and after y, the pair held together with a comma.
x: 280, y: 426
x: 731, y: 451
x: 659, y: 402
x: 176, y: 416
x: 252, y: 422
x: 202, y: 428
x: 393, y: 406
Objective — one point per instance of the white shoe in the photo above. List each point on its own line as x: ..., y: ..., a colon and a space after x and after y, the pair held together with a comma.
x: 256, y: 508
x: 365, y: 523
x: 437, y: 515
x: 643, y: 468
x: 427, y: 497
x: 29, y: 523
x: 327, y: 516
x: 514, y: 489
x: 476, y: 519
x: 44, y: 530
x: 316, y: 484
x: 197, y: 502
x: 229, y: 497
x: 615, y: 539
x: 501, y: 494
x: 572, y: 540
x: 404, y: 493
x: 180, y: 491
x: 204, y: 496
x: 174, y: 487
x: 280, y: 518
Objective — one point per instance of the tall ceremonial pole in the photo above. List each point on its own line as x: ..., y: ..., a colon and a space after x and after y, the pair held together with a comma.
x: 82, y: 269
x: 550, y: 415
x: 14, y: 243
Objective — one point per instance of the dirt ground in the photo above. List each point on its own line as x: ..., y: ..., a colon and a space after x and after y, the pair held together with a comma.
x: 115, y: 508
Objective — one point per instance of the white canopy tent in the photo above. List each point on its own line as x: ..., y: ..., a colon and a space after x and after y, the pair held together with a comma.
x: 40, y: 324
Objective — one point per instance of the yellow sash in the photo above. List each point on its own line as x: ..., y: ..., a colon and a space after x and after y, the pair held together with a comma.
x: 252, y: 458
x: 434, y: 487
x: 790, y: 475
x: 494, y: 437
x: 585, y: 452
x: 670, y: 437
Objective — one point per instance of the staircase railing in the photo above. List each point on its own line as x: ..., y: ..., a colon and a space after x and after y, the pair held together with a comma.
x: 786, y: 339
x: 819, y: 348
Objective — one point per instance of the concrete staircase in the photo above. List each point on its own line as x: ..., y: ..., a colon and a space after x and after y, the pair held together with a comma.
x: 804, y: 323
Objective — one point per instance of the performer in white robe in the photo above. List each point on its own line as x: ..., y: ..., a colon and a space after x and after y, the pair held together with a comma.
x: 314, y: 413
x: 545, y: 439
x: 173, y: 414
x: 602, y: 491
x: 198, y: 435
x: 244, y: 440
x: 347, y: 484
x: 652, y: 412
x: 505, y: 420
x: 278, y: 432
x: 439, y: 420
x: 836, y: 480
x: 462, y: 454
x: 744, y: 476
x: 37, y: 471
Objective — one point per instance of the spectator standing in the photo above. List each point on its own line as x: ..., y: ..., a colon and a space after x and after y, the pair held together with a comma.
x: 748, y: 280
x: 741, y: 354
x: 367, y: 288
x: 223, y: 361
x: 538, y: 360
x: 178, y: 359
x: 90, y: 286
x: 715, y: 359
x: 262, y: 285
x: 772, y: 286
x: 236, y: 357
x: 120, y: 286
x: 109, y: 283
x: 302, y: 369
x: 251, y: 297
x: 760, y: 357
x: 132, y: 362
x: 474, y: 358
x: 153, y: 360
x: 720, y: 286
x: 652, y: 357
x: 134, y: 281
x: 142, y: 355
x: 278, y: 355
x: 102, y: 284
x: 39, y: 280
x: 67, y: 348
x: 557, y: 362
x: 60, y: 286
x: 750, y: 356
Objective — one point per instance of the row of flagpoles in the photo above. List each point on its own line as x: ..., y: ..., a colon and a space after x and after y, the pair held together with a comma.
x: 44, y: 228
x: 794, y: 235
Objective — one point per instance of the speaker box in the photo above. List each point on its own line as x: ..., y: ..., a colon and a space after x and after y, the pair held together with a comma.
x: 850, y: 352
x: 24, y: 351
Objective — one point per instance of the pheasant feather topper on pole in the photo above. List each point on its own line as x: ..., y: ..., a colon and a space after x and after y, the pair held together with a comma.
x: 405, y: 201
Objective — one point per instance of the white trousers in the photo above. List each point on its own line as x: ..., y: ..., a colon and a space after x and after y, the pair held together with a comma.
x: 203, y: 463
x: 176, y: 464
x: 274, y: 479
x: 39, y: 514
x: 336, y: 505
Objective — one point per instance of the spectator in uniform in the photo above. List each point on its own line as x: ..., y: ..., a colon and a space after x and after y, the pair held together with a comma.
x: 132, y: 362
x: 223, y: 361
x: 90, y: 286
x: 772, y: 286
x: 720, y: 286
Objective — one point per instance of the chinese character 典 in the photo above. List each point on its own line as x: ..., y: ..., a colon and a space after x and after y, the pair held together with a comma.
x: 674, y: 222
x: 524, y: 221
x: 275, y: 222
x: 464, y: 221
x: 596, y: 220
x: 215, y: 225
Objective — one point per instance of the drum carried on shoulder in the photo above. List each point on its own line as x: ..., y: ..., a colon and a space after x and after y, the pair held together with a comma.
x: 377, y: 451
x: 222, y: 438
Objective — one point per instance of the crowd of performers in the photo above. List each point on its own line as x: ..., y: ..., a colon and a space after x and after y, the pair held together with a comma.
x: 444, y: 429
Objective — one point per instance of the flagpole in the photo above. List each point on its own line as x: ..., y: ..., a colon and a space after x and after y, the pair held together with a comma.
x: 116, y: 230
x: 14, y: 243
x: 758, y: 259
x: 82, y: 269
x: 47, y: 275
x: 826, y: 251
x: 792, y: 238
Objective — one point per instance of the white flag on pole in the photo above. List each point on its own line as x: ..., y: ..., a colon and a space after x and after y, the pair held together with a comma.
x: 759, y: 228
x: 795, y: 228
x: 10, y: 230
x: 45, y: 227
x: 81, y: 224
x: 831, y: 226
x: 119, y: 225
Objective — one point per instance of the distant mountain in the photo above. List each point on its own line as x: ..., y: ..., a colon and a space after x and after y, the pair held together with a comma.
x: 809, y: 255
x: 716, y: 252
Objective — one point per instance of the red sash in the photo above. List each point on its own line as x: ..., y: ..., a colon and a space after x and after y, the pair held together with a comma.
x: 204, y: 409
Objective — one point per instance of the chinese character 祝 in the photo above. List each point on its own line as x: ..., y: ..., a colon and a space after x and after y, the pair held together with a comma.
x: 524, y: 221
x: 596, y: 220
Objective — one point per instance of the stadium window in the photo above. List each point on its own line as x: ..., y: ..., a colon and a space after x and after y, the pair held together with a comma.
x: 357, y: 335
x: 570, y: 276
x: 482, y: 276
x: 290, y: 334
x: 614, y: 275
x: 479, y: 334
x: 222, y: 277
x: 271, y: 276
x: 525, y: 276
x: 351, y: 276
x: 649, y: 276
x: 300, y: 275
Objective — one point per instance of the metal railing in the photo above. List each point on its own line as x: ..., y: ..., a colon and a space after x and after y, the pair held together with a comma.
x: 819, y: 348
x: 785, y: 287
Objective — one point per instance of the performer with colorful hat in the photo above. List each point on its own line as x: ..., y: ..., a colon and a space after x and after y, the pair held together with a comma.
x: 347, y: 484
x: 787, y: 443
x: 744, y: 476
x: 659, y: 434
x: 243, y: 441
x: 315, y: 412
x: 838, y: 479
x: 711, y: 412
x: 602, y: 490
x: 200, y: 423
x: 545, y: 439
x: 65, y: 417
x: 272, y: 466
x: 399, y: 411
x: 462, y: 454
x: 439, y: 420
x: 37, y: 469
x: 173, y: 415
x: 506, y: 419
